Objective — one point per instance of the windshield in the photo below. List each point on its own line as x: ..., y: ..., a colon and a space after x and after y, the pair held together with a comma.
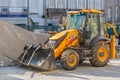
x: 75, y: 21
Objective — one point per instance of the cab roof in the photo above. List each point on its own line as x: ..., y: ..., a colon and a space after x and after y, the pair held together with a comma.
x: 86, y: 11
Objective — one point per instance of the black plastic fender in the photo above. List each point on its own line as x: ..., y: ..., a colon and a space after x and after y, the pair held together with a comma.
x: 96, y: 39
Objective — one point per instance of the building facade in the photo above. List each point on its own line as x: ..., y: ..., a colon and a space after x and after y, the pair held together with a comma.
x: 15, y: 11
x: 54, y: 9
x: 112, y: 10
x: 50, y: 11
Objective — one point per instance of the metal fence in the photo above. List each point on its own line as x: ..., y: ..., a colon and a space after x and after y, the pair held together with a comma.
x: 75, y: 4
x: 59, y: 7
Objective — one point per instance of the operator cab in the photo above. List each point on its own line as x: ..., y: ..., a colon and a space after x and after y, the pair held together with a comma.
x: 76, y: 21
x: 88, y: 22
x: 93, y: 27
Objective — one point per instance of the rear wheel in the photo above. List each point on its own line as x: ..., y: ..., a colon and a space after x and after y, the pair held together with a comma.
x: 100, y: 54
x: 69, y: 59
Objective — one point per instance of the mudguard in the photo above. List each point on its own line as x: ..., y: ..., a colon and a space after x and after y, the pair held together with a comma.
x: 96, y: 39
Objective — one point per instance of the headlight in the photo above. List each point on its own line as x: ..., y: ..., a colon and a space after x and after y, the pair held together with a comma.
x: 51, y: 44
x: 55, y: 43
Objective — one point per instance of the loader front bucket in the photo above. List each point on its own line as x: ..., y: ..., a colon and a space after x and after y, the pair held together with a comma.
x: 37, y: 57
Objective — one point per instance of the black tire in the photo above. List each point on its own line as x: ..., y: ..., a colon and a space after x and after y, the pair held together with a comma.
x: 67, y: 62
x: 81, y: 61
x: 100, y: 58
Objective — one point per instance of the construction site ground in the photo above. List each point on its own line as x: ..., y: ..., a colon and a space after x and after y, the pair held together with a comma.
x: 84, y: 72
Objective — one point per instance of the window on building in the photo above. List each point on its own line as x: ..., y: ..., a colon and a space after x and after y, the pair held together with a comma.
x: 4, y: 2
x: 117, y: 2
x: 13, y: 3
x: 117, y: 13
x: 102, y: 4
x: 84, y: 4
x: 109, y: 14
x: 61, y: 3
x: 116, y: 16
x: 72, y: 4
x: 20, y: 3
x: 50, y: 3
x: 98, y: 4
x: 91, y: 4
x: 81, y: 4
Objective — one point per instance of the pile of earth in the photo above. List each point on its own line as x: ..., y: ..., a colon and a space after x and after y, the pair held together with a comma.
x: 13, y: 39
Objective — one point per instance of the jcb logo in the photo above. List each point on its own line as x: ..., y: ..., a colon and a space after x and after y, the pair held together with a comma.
x: 73, y: 36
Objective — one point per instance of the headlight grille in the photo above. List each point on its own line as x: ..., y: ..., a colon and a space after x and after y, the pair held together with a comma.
x: 51, y: 44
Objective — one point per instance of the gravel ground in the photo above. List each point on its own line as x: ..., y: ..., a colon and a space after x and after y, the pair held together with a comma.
x: 84, y: 72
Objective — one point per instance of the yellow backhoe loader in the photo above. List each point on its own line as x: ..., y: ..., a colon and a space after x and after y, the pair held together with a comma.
x: 84, y: 38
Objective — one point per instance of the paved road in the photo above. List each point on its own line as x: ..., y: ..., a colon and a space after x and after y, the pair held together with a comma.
x: 83, y: 72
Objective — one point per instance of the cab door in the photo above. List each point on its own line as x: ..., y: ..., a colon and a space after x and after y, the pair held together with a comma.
x: 92, y: 27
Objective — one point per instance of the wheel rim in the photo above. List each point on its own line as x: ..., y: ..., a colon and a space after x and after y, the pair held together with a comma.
x: 72, y: 59
x: 102, y: 54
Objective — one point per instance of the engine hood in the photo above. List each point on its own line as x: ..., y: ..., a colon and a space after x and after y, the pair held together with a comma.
x: 59, y: 35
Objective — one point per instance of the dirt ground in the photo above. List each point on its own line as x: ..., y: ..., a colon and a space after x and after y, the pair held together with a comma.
x: 84, y: 72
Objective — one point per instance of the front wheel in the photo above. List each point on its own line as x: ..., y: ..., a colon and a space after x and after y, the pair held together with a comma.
x: 100, y: 54
x: 69, y: 59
